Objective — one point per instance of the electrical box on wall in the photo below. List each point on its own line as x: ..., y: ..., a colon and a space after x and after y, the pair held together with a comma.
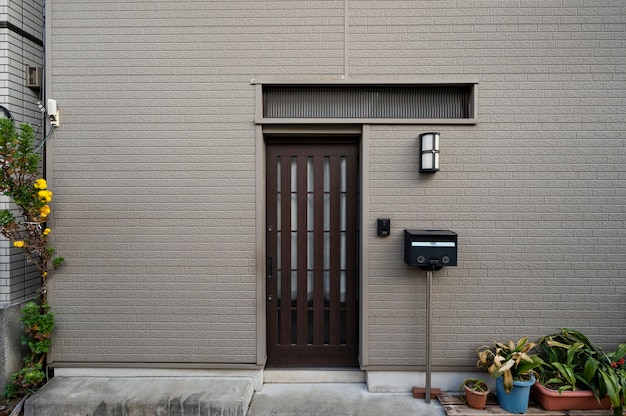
x: 33, y: 76
x: 430, y: 249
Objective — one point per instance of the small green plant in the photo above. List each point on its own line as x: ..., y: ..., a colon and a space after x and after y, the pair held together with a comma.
x: 473, y: 392
x: 20, y: 180
x: 25, y: 380
x: 38, y: 324
x: 475, y: 384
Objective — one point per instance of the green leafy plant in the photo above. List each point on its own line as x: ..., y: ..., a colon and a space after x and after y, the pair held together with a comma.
x: 511, y: 361
x: 24, y: 380
x: 38, y: 325
x: 564, y: 356
x: 573, y: 362
x: 21, y: 181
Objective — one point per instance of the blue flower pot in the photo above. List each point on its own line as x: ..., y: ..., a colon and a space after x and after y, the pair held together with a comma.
x: 517, y: 400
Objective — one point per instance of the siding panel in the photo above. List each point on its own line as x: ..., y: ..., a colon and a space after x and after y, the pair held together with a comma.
x: 154, y: 171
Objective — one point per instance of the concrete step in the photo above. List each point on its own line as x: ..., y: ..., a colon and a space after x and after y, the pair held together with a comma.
x: 159, y: 396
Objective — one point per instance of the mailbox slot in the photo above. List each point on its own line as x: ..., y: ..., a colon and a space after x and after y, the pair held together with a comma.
x: 430, y: 249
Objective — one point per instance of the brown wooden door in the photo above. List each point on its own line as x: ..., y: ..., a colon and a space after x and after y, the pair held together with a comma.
x: 312, y: 267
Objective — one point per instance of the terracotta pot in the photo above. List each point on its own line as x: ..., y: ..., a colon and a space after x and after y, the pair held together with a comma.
x: 568, y: 400
x: 475, y: 399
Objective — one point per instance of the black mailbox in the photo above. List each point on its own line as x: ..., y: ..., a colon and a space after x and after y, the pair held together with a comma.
x: 430, y: 249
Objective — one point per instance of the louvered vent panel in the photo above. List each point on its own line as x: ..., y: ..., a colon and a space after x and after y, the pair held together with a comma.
x: 372, y: 102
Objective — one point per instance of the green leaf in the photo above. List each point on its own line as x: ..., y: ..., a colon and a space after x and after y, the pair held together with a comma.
x: 620, y: 352
x: 589, y: 370
x: 612, y: 387
x: 6, y: 218
x: 572, y: 350
x: 526, y: 366
x: 57, y: 261
x: 554, y: 380
x: 566, y: 371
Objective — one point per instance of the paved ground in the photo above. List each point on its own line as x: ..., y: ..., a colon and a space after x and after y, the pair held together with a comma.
x: 337, y: 399
x: 217, y: 396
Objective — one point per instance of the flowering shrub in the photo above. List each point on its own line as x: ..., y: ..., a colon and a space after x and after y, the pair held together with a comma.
x: 21, y: 181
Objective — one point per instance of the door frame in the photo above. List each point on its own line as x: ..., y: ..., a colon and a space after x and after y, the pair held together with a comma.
x: 303, y: 131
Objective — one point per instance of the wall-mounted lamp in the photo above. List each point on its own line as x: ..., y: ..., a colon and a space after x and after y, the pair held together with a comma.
x: 429, y: 152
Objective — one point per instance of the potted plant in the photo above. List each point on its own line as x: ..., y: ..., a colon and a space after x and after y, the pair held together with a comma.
x: 513, y: 368
x: 474, y: 392
x: 579, y: 375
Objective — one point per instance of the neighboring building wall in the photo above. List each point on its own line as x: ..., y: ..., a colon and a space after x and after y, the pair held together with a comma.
x: 21, y: 44
x: 21, y: 40
x: 153, y: 170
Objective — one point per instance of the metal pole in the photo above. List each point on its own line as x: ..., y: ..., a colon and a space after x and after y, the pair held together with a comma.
x: 429, y: 279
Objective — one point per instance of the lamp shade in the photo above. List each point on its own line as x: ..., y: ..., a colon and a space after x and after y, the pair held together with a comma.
x: 429, y: 152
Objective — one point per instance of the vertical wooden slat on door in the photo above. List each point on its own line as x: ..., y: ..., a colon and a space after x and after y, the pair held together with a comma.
x: 285, y: 252
x: 335, y: 250
x: 318, y: 254
x: 352, y: 272
x: 301, y: 270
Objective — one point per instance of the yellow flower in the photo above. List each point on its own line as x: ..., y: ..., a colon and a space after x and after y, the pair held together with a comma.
x: 45, y: 274
x: 18, y: 244
x: 44, y: 211
x: 45, y: 195
x: 47, y: 231
x: 41, y: 183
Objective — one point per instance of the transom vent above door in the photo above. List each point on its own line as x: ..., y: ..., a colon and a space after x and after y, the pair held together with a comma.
x: 366, y: 103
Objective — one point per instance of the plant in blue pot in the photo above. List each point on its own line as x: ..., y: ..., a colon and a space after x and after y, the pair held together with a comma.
x: 512, y: 365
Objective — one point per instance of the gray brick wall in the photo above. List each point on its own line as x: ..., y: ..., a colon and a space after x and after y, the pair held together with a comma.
x: 153, y: 171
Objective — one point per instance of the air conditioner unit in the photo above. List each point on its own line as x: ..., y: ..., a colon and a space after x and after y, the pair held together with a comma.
x: 33, y: 76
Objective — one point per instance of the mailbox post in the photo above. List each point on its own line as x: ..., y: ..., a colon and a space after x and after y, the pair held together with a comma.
x: 429, y: 250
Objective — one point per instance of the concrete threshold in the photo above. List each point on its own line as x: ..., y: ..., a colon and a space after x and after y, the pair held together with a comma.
x: 128, y: 396
x: 337, y: 399
x: 318, y: 375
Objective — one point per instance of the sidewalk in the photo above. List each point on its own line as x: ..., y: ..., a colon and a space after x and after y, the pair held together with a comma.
x: 337, y: 399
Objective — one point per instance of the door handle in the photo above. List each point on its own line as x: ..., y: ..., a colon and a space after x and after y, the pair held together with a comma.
x: 269, y: 267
